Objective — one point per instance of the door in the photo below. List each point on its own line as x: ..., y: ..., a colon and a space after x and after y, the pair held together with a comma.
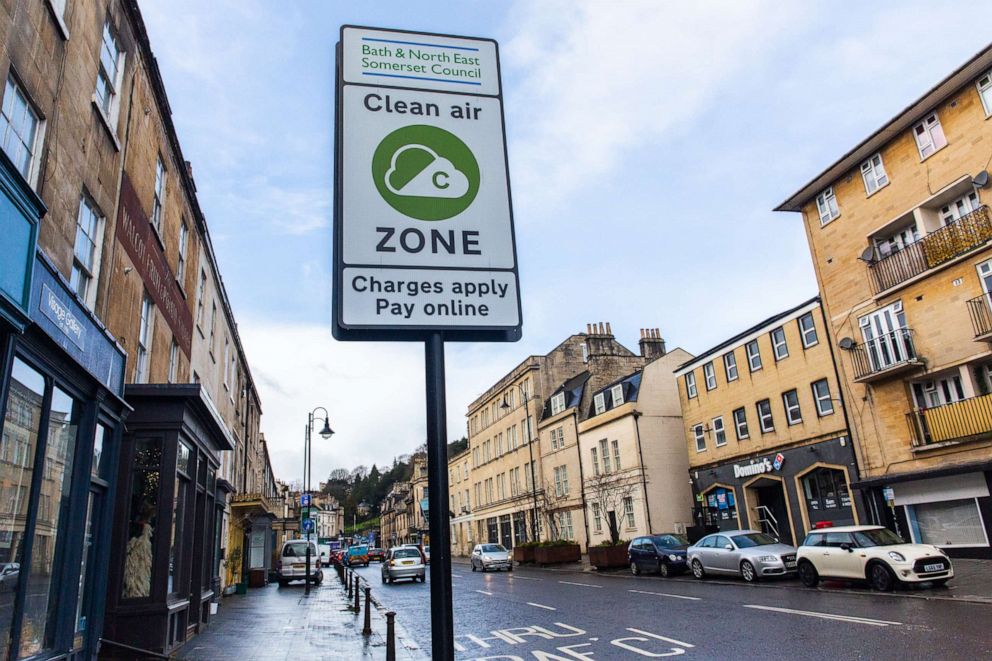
x: 886, y: 338
x: 938, y: 392
x: 841, y: 562
x: 724, y: 560
x: 959, y: 207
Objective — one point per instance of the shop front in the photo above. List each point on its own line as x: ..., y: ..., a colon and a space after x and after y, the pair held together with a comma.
x: 784, y: 493
x: 61, y: 381
x: 166, y: 542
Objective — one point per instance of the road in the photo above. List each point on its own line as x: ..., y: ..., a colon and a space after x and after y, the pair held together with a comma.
x: 545, y: 615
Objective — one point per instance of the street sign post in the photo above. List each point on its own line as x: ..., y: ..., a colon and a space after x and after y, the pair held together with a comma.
x: 305, y: 500
x: 424, y: 246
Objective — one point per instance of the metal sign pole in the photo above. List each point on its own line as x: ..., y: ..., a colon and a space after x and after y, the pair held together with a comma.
x: 442, y: 620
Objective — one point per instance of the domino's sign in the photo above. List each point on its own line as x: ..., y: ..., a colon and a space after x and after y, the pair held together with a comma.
x: 424, y: 237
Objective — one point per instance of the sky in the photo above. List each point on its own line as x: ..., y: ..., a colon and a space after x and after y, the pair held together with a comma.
x: 648, y: 144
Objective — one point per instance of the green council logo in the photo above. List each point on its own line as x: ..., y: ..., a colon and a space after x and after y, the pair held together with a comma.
x: 425, y: 172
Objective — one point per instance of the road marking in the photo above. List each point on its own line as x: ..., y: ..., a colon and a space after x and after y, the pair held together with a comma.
x: 666, y: 594
x: 549, y: 608
x: 665, y: 638
x: 525, y: 578
x: 484, y: 592
x: 827, y: 616
x: 585, y: 585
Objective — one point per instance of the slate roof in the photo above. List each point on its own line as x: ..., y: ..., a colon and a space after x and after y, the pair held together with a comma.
x: 631, y: 388
x: 572, y: 388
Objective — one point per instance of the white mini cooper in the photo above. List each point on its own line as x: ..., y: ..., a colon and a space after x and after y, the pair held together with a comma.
x: 871, y: 553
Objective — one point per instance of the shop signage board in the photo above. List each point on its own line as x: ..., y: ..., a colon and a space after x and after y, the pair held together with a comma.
x: 423, y: 232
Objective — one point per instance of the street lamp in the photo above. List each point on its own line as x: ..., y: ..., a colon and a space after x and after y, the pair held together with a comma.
x: 325, y: 433
x: 530, y: 450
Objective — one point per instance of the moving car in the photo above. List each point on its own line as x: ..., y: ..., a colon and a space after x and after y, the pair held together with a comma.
x: 403, y: 562
x: 357, y: 555
x: 871, y: 553
x: 750, y: 554
x: 664, y: 554
x: 427, y: 554
x: 9, y: 573
x: 491, y: 556
x: 325, y: 554
x: 292, y: 564
x: 377, y: 554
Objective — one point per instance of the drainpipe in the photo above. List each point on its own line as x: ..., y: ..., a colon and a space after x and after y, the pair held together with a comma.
x: 644, y: 477
x: 582, y: 479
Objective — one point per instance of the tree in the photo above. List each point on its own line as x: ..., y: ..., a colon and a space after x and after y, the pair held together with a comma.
x: 610, y: 491
x: 339, y: 475
x: 549, y: 502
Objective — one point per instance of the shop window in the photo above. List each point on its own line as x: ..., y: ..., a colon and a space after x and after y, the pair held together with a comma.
x: 947, y: 523
x: 20, y: 438
x: 184, y: 464
x: 825, y: 490
x: 143, y: 518
x: 721, y: 508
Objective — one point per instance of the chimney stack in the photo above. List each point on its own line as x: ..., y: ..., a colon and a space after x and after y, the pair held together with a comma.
x: 652, y: 345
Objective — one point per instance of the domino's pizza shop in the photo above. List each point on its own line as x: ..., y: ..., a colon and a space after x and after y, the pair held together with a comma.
x: 784, y: 493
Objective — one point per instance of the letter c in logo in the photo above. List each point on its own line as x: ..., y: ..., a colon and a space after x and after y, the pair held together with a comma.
x: 437, y: 183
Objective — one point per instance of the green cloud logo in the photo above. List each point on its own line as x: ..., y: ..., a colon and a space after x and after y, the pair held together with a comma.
x: 425, y: 172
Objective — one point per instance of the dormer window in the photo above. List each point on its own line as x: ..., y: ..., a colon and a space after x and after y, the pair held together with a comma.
x: 558, y: 403
x: 616, y: 392
x: 599, y: 402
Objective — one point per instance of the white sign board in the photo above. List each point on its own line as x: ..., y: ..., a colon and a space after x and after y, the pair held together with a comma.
x: 423, y: 223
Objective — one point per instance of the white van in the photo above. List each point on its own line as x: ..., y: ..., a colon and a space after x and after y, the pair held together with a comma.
x: 293, y: 562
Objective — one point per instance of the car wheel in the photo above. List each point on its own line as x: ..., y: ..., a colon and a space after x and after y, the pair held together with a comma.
x: 880, y: 577
x: 473, y: 565
x: 635, y: 569
x: 663, y: 569
x: 808, y: 574
x: 697, y: 569
x: 748, y: 572
x: 510, y: 568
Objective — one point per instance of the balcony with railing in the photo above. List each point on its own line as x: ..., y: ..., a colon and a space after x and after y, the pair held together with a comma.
x: 256, y: 500
x: 885, y: 356
x: 964, y: 420
x: 950, y: 241
x: 980, y: 311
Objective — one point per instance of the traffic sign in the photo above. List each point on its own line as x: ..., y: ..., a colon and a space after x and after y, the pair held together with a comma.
x: 305, y: 500
x: 423, y: 231
x: 308, y: 525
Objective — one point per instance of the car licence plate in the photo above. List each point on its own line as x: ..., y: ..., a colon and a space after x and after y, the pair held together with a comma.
x: 300, y: 566
x: 790, y: 563
x: 937, y: 567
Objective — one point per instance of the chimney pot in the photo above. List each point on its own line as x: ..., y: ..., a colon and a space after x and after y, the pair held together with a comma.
x: 602, y: 329
x: 609, y: 331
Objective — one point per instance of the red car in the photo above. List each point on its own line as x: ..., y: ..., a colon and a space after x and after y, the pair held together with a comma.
x: 377, y: 554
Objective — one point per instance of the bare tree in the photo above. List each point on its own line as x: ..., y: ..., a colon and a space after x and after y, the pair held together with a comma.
x: 610, y: 491
x: 339, y: 475
x: 549, y: 502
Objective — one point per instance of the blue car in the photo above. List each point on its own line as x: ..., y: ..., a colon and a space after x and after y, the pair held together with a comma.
x: 663, y: 554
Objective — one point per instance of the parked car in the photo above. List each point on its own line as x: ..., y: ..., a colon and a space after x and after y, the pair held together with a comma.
x: 664, y: 554
x: 377, y: 554
x: 9, y: 573
x: 427, y: 554
x: 403, y: 562
x: 325, y: 554
x: 870, y: 553
x: 357, y: 555
x: 750, y: 554
x: 491, y: 556
x: 292, y: 564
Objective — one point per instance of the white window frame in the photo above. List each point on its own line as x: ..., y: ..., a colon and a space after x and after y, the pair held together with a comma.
x: 820, y: 398
x: 557, y: 438
x: 776, y: 344
x: 604, y: 453
x: 929, y: 135
x: 561, y: 481
x: 699, y: 433
x: 616, y: 454
x: 616, y: 394
x: 804, y: 331
x: 173, y: 362
x: 741, y: 422
x: 84, y: 278
x: 7, y: 124
x: 709, y: 376
x: 730, y: 366
x: 594, y: 452
x: 158, y: 195
x: 874, y: 175
x: 690, y: 385
x: 719, y: 432
x: 762, y: 417
x: 201, y: 290
x: 109, y: 106
x: 984, y: 85
x: 792, y: 408
x: 145, y: 336
x: 558, y: 403
x: 597, y: 517
x: 183, y: 247
x: 753, y: 358
x: 599, y: 403
x: 628, y: 511
x: 826, y: 206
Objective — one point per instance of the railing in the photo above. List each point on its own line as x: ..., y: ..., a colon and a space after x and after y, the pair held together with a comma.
x: 980, y: 310
x: 954, y: 239
x: 768, y: 521
x: 959, y: 420
x: 884, y: 353
x: 266, y: 502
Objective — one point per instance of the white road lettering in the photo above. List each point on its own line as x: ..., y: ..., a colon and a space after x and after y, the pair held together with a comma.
x: 585, y: 585
x: 827, y: 616
x: 569, y: 649
x: 484, y: 592
x: 624, y: 643
x: 550, y: 608
x: 666, y: 594
x: 524, y: 578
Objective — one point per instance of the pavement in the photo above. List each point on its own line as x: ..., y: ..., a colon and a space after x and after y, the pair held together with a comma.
x: 274, y: 623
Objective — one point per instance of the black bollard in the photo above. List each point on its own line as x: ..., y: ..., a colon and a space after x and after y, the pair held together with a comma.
x: 348, y: 581
x: 358, y: 589
x: 390, y: 637
x: 367, y: 629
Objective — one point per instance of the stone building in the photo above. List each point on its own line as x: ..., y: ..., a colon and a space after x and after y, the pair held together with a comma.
x: 460, y: 505
x: 766, y: 430
x: 901, y: 238
x: 419, y: 528
x: 111, y: 306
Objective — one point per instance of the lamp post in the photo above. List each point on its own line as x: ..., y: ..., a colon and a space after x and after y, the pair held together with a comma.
x: 530, y: 450
x: 325, y: 433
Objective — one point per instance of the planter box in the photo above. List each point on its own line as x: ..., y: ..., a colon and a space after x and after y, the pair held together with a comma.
x: 241, y: 588
x: 551, y: 555
x: 603, y: 557
x: 523, y: 554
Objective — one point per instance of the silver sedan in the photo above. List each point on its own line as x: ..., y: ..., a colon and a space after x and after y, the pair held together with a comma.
x: 750, y: 554
x: 403, y: 562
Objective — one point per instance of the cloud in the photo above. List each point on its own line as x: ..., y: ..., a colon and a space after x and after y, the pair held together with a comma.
x: 429, y: 175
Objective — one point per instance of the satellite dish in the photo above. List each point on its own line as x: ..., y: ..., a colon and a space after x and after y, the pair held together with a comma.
x: 868, y: 255
x: 846, y: 343
x: 981, y: 179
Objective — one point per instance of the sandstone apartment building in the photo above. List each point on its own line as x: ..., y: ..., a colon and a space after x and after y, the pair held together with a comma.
x: 899, y: 230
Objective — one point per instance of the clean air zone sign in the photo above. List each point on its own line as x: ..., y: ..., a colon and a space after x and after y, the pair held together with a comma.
x: 423, y: 225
